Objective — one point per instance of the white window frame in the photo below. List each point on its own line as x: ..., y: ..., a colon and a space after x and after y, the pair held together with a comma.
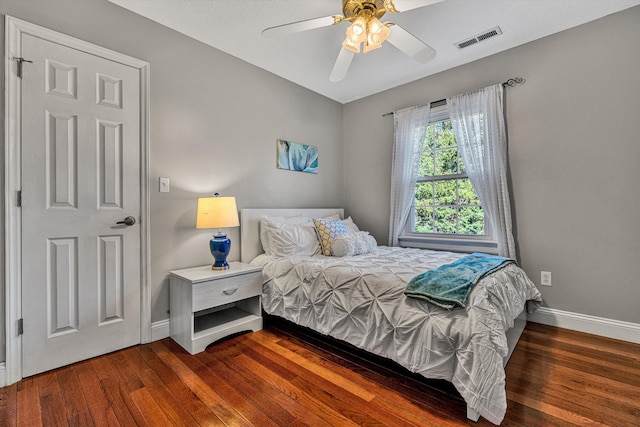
x: 449, y: 242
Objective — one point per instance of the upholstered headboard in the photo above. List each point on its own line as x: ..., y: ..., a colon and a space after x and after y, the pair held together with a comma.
x: 250, y: 246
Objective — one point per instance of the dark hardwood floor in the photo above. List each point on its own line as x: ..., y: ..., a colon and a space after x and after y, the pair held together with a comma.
x: 284, y: 377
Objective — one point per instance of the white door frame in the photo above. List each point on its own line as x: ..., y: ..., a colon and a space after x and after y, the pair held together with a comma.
x: 14, y: 28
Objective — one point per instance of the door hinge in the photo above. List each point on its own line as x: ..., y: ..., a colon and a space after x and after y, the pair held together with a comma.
x: 19, y: 198
x: 20, y: 61
x: 20, y: 327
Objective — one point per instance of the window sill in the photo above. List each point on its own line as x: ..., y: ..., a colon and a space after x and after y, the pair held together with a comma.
x: 453, y: 244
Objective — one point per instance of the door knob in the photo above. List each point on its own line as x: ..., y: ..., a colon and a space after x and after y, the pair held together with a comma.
x: 127, y: 221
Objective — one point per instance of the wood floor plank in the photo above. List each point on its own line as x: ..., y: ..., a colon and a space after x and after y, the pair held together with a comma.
x: 628, y: 352
x: 26, y: 383
x: 435, y: 394
x: 51, y: 402
x: 206, y: 393
x: 568, y: 417
x: 416, y: 415
x: 100, y: 409
x: 298, y: 388
x: 325, y: 373
x: 389, y: 412
x: 235, y: 391
x: 600, y: 390
x: 161, y: 395
x: 150, y: 410
x: 117, y: 381
x: 284, y: 398
x: 103, y: 367
x: 556, y: 384
x: 28, y: 407
x: 286, y: 377
x: 527, y: 416
x: 8, y: 405
x: 128, y: 377
x: 118, y: 397
x: 363, y: 377
x: 609, y: 365
x: 185, y: 396
x: 271, y: 356
x: 77, y: 409
x: 246, y: 391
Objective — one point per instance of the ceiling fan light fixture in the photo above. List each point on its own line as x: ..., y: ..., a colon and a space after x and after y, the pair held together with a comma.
x: 368, y: 47
x: 359, y: 26
x: 357, y: 31
x: 356, y: 35
x: 349, y: 45
x: 365, y: 29
x: 368, y: 30
x: 377, y: 33
x: 376, y: 27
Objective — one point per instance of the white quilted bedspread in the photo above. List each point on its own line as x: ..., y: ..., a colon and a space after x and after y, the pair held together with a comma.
x: 360, y: 300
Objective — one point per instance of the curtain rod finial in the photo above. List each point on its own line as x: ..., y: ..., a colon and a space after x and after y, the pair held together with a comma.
x: 514, y: 81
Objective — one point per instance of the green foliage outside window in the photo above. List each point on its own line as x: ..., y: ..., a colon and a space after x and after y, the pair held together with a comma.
x: 445, y: 201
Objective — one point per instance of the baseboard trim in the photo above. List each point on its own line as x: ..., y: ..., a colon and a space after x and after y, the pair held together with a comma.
x: 3, y: 374
x: 160, y: 330
x: 609, y: 328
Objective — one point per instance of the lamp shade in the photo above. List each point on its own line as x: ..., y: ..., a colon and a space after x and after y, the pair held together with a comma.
x: 217, y: 212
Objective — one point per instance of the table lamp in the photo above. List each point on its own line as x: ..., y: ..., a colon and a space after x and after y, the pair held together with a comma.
x: 218, y: 212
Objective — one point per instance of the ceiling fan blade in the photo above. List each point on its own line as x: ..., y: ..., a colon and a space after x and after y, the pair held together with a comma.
x: 296, y: 27
x: 404, y: 5
x: 342, y: 65
x: 410, y: 44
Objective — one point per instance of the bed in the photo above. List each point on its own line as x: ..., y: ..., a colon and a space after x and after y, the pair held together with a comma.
x: 360, y: 299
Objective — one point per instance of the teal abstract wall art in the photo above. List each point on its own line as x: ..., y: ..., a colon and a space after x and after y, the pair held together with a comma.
x: 297, y: 157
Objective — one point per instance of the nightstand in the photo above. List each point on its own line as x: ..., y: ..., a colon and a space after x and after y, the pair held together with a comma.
x: 207, y: 305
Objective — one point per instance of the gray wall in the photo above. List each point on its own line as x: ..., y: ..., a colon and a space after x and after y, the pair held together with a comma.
x: 214, y: 123
x: 574, y: 141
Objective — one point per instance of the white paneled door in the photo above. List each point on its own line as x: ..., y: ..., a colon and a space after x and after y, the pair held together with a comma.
x: 81, y: 144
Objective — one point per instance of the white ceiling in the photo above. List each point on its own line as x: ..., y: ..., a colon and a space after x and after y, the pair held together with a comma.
x: 307, y: 58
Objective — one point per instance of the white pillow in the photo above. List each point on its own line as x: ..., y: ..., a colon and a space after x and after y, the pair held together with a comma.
x: 350, y: 244
x: 351, y: 226
x: 264, y: 232
x: 286, y: 240
x: 298, y: 219
x: 334, y: 217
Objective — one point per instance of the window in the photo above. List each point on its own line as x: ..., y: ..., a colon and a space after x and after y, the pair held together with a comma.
x: 445, y: 203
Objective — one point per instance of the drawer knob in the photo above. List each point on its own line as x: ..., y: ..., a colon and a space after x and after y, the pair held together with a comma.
x: 230, y: 291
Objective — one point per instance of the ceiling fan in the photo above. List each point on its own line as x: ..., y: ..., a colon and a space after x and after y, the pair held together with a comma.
x: 366, y: 30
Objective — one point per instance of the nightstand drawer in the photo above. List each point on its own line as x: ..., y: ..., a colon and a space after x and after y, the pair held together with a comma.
x: 223, y: 291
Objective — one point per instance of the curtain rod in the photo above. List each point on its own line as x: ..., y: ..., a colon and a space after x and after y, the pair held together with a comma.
x: 510, y: 82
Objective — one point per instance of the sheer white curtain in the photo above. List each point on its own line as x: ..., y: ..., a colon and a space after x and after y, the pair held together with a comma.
x: 410, y: 127
x: 478, y: 125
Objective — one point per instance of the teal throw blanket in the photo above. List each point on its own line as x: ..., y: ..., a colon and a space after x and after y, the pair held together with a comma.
x: 449, y: 285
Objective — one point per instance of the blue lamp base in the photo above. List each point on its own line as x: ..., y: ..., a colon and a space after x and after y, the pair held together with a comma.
x: 220, y: 246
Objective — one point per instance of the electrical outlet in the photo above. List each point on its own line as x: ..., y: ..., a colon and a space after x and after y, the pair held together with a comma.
x: 164, y: 185
x: 545, y: 278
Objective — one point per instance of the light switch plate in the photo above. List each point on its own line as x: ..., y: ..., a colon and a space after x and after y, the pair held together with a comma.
x: 164, y: 185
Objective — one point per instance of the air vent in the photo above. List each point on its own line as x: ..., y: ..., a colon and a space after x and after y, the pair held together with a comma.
x: 479, y: 37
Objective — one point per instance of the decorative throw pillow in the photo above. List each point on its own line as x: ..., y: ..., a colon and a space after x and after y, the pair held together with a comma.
x: 351, y: 244
x: 327, y: 231
x: 351, y: 226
